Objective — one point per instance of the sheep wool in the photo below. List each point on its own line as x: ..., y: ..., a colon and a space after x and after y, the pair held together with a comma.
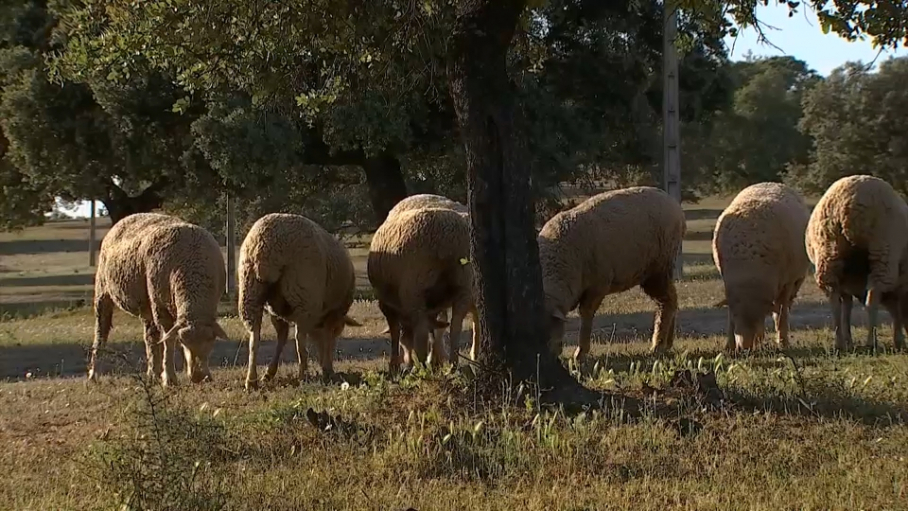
x: 428, y: 200
x: 419, y: 266
x: 301, y: 274
x: 169, y: 273
x: 856, y: 235
x: 758, y: 248
x: 608, y: 244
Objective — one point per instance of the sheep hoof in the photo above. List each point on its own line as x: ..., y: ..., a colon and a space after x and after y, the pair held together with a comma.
x: 252, y: 384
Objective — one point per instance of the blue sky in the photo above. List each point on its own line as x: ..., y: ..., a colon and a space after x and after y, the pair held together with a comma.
x: 799, y: 36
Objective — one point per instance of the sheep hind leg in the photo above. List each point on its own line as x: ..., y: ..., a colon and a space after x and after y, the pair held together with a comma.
x: 394, y: 330
x: 104, y: 308
x: 730, y: 344
x: 891, y: 303
x: 153, y: 350
x: 282, y: 328
x: 589, y: 304
x: 661, y: 288
x: 841, y: 318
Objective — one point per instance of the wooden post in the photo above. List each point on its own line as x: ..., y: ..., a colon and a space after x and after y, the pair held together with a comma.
x: 671, y: 138
x: 92, y: 224
x: 231, y: 247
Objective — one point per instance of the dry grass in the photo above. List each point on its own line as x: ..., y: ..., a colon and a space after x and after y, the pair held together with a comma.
x: 808, y: 429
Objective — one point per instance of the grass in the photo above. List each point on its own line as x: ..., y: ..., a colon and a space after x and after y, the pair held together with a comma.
x: 804, y: 429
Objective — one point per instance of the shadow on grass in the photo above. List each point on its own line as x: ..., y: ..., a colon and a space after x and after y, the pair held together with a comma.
x: 31, y: 247
x: 702, y: 214
x: 73, y: 279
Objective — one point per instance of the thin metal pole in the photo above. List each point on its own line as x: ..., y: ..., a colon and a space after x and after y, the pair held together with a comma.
x: 671, y: 137
x: 92, y: 225
x: 231, y: 247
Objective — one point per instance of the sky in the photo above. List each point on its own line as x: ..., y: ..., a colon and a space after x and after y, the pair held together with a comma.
x: 798, y: 36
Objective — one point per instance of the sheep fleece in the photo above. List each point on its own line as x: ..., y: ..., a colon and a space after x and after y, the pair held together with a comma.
x: 859, y: 212
x: 427, y: 200
x: 415, y: 260
x: 760, y: 235
x: 613, y: 241
x: 150, y: 260
x: 311, y: 269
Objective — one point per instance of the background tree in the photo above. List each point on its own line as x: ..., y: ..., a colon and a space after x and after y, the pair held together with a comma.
x: 859, y: 123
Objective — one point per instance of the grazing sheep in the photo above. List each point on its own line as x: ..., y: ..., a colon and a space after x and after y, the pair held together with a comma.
x: 856, y: 238
x: 758, y: 248
x: 422, y: 201
x: 419, y: 266
x: 171, y: 274
x: 608, y: 244
x: 428, y: 200
x: 301, y: 274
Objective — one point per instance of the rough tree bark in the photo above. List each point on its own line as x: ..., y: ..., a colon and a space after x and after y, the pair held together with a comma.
x: 386, y: 183
x: 503, y: 244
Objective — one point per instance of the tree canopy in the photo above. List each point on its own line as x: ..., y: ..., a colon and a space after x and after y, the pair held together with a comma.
x: 858, y: 121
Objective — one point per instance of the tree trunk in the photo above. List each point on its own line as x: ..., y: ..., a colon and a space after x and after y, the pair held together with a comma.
x: 503, y: 245
x: 386, y: 183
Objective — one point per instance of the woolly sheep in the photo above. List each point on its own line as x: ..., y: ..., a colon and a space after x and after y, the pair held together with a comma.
x: 758, y: 248
x: 419, y: 266
x: 608, y: 244
x: 856, y: 235
x: 427, y: 200
x: 301, y: 274
x: 169, y: 273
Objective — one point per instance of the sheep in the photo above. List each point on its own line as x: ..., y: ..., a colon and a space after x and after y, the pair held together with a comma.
x: 301, y: 274
x: 608, y: 244
x: 171, y: 274
x: 419, y: 266
x: 427, y: 200
x: 758, y: 248
x: 856, y: 239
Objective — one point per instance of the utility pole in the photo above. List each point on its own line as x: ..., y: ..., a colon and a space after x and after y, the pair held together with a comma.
x: 231, y: 247
x: 671, y: 151
x: 91, y: 235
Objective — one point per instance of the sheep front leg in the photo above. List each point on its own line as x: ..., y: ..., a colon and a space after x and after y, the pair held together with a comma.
x: 873, y: 306
x: 730, y: 344
x: 589, y: 304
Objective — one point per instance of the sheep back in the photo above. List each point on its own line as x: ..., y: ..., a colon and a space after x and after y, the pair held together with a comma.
x: 859, y: 221
x: 611, y: 242
x: 427, y: 200
x: 759, y: 238
x: 418, y: 260
x: 296, y: 265
x: 153, y: 260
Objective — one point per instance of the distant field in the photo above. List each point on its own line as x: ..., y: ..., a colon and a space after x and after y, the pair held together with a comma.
x: 808, y: 429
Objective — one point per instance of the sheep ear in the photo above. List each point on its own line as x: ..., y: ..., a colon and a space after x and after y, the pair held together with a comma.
x: 723, y: 303
x: 557, y: 314
x: 351, y: 322
x: 219, y: 332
